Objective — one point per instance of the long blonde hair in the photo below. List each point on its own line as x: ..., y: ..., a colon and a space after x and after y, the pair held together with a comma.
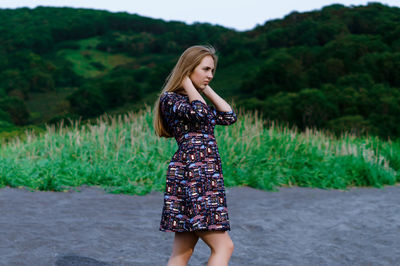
x: 187, y: 62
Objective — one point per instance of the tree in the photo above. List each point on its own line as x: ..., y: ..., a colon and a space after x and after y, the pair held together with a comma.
x: 311, y: 108
x: 16, y: 110
x: 118, y: 91
x: 353, y: 124
x: 280, y: 107
x: 281, y: 72
x: 88, y: 101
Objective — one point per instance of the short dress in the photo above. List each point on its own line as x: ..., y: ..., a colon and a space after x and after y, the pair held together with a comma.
x: 194, y: 197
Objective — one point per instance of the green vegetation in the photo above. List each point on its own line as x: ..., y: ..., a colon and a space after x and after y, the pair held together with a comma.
x: 123, y: 155
x: 336, y: 68
x: 77, y: 87
x: 89, y: 62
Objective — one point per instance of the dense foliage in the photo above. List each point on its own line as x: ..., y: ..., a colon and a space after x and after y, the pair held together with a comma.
x: 336, y: 68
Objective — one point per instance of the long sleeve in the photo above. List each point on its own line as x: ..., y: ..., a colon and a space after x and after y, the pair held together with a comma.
x: 224, y: 118
x: 180, y: 108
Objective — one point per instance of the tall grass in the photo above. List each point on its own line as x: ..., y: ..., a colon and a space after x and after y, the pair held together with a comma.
x: 122, y: 154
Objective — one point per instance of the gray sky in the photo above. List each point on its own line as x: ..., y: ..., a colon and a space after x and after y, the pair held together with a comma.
x: 240, y: 15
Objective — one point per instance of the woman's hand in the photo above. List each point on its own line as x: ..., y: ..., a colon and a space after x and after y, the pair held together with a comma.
x: 187, y: 84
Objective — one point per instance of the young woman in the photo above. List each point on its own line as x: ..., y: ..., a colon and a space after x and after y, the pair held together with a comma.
x: 194, y: 198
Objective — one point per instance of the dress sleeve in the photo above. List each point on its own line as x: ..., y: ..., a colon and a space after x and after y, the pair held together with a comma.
x: 175, y: 106
x: 224, y: 118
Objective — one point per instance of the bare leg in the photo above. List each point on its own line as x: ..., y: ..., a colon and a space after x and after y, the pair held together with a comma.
x: 221, y: 246
x: 184, y: 243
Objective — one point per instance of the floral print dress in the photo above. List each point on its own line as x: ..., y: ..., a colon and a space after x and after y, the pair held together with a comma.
x: 194, y: 197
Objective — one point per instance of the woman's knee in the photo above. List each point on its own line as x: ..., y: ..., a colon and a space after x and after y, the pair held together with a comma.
x: 182, y: 257
x: 188, y: 253
x: 226, y: 247
x: 230, y: 245
x: 183, y: 252
x: 218, y: 242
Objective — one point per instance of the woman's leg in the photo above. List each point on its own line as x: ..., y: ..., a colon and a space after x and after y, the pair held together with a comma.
x: 184, y: 243
x: 221, y: 246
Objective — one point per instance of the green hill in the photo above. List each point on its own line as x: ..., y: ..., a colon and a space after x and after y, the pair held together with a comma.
x: 336, y: 68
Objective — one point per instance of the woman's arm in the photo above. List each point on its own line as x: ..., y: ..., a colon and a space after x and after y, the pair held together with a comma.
x: 223, y: 112
x: 193, y: 94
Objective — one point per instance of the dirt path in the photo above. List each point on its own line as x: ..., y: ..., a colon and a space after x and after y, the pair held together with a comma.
x: 295, y: 226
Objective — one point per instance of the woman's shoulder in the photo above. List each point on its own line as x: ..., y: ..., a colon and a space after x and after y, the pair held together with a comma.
x: 168, y: 98
x: 171, y: 94
x: 166, y: 94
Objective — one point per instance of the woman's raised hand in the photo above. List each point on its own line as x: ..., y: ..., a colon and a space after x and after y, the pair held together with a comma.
x: 186, y: 82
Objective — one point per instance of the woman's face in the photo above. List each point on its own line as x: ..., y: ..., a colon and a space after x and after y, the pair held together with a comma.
x: 203, y: 73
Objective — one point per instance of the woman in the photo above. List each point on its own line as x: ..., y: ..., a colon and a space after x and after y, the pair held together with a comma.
x: 194, y: 197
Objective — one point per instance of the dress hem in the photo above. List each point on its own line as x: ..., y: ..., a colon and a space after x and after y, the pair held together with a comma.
x: 201, y: 230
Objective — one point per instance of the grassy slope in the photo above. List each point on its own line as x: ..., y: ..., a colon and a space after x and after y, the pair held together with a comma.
x: 45, y: 105
x: 123, y: 155
x: 83, y: 58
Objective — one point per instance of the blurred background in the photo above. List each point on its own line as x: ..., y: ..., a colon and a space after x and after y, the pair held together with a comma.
x: 313, y: 64
x: 315, y: 85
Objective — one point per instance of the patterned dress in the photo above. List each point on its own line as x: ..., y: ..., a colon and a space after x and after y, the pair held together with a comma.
x: 194, y: 197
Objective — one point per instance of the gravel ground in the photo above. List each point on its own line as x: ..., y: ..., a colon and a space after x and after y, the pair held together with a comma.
x: 295, y: 226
